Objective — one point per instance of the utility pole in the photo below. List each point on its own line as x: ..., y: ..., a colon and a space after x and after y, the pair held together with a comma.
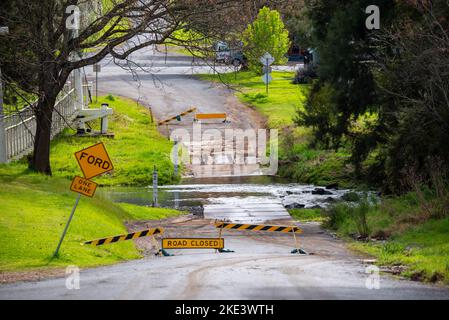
x: 267, y: 75
x: 155, y: 183
x: 175, y: 156
x: 3, y: 155
x: 266, y: 60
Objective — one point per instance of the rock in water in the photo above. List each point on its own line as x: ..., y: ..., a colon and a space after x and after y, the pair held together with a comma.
x: 332, y: 186
x: 294, y: 205
x: 321, y: 192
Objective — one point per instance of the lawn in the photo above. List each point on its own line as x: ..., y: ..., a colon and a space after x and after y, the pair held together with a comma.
x: 142, y: 213
x: 136, y: 148
x: 307, y: 215
x: 283, y: 98
x: 424, y: 249
x: 34, y: 211
x: 415, y: 241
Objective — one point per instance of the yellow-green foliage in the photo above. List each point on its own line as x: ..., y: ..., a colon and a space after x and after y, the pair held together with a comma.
x: 266, y: 34
x: 307, y: 215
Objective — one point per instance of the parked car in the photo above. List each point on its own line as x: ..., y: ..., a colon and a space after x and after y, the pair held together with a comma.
x: 227, y: 55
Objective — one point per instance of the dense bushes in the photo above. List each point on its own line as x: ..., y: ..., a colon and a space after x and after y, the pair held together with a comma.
x: 382, y: 94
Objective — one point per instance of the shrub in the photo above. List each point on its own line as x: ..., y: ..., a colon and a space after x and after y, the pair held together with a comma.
x: 266, y: 34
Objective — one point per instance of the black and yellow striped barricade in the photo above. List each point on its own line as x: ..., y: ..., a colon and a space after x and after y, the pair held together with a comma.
x: 177, y: 117
x: 261, y: 227
x: 134, y: 235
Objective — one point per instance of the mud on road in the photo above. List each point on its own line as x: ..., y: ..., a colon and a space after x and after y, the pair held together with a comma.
x: 314, y: 239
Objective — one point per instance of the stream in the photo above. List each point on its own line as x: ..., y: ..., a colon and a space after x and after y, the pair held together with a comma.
x: 238, y: 199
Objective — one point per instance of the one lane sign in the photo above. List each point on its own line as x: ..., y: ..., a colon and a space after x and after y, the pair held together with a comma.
x: 83, y: 186
x: 94, y: 161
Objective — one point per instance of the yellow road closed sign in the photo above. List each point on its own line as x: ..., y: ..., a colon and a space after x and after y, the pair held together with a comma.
x: 94, y: 161
x: 193, y: 243
x: 83, y: 186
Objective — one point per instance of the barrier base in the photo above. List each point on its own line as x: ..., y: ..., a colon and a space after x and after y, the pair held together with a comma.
x: 164, y: 253
x: 299, y: 251
x: 225, y: 250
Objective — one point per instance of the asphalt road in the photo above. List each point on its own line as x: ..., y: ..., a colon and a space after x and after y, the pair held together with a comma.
x: 261, y: 268
x: 167, y: 85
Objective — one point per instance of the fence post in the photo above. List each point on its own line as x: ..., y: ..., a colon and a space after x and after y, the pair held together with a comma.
x: 175, y: 157
x: 155, y: 195
x: 3, y: 155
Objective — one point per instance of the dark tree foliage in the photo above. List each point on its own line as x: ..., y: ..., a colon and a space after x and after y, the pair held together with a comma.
x: 382, y: 93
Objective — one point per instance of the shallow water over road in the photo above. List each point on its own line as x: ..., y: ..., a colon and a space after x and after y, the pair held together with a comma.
x: 237, y: 199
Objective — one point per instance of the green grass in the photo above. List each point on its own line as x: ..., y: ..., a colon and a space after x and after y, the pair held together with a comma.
x: 148, y: 213
x: 307, y: 215
x: 279, y: 105
x: 424, y: 249
x: 418, y: 243
x: 34, y: 211
x: 136, y: 148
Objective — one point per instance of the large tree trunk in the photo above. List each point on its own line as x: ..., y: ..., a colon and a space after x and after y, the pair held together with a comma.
x: 40, y: 161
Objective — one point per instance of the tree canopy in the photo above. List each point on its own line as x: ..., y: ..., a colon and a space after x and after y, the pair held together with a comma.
x: 266, y: 34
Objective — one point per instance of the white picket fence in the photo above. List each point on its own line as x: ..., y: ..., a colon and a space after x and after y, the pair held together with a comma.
x: 20, y: 127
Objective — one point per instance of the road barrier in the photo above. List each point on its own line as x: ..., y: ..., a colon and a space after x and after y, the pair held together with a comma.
x: 207, y: 116
x: 261, y: 227
x: 255, y: 227
x: 177, y: 117
x: 124, y: 237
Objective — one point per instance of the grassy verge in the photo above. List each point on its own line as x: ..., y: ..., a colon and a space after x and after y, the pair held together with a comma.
x: 141, y: 213
x: 136, y: 148
x: 307, y: 215
x: 397, y: 232
x: 34, y: 211
x: 281, y: 102
x: 297, y: 159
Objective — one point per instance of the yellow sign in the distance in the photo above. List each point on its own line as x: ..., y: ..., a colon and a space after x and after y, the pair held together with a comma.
x: 193, y: 243
x: 94, y: 161
x: 205, y: 116
x: 83, y: 186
